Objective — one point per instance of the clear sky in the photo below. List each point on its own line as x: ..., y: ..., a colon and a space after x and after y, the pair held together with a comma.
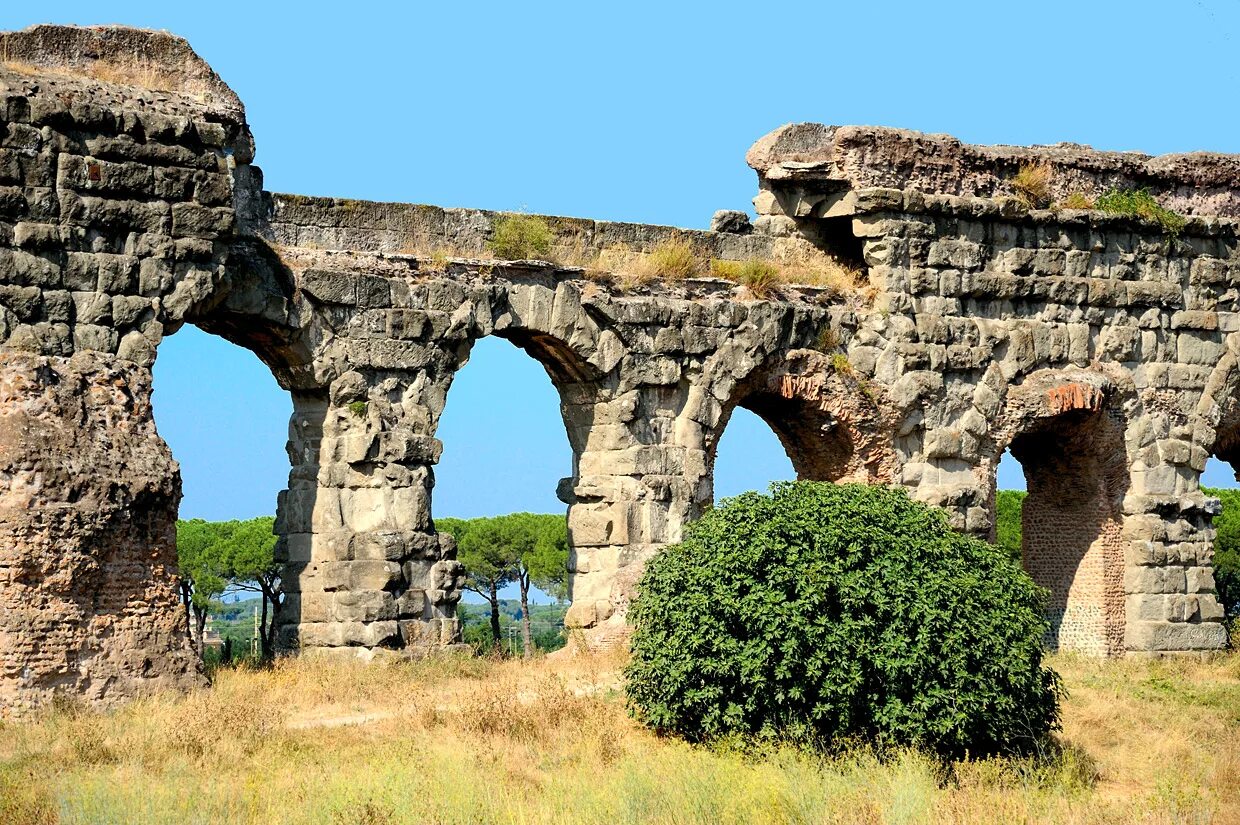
x: 628, y: 111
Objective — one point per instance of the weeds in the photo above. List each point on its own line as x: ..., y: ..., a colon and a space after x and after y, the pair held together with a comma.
x: 841, y: 364
x: 358, y: 408
x: 1032, y: 184
x: 761, y: 278
x: 674, y: 260
x: 1139, y: 203
x: 521, y: 237
x: 828, y: 340
x: 1077, y: 200
x: 141, y: 74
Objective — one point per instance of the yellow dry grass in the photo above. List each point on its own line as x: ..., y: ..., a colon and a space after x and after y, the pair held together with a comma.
x: 1032, y: 184
x: 1077, y: 200
x: 138, y: 73
x: 451, y: 740
x: 762, y: 278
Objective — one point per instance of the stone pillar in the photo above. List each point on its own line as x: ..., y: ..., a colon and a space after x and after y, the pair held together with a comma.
x: 88, y: 503
x: 364, y: 570
x: 1168, y: 580
x: 631, y: 496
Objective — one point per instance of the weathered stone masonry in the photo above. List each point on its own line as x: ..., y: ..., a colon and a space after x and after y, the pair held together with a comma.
x: 1098, y: 349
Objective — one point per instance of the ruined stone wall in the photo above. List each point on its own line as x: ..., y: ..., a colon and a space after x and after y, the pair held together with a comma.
x: 1009, y: 323
x: 116, y: 216
x: 1101, y: 350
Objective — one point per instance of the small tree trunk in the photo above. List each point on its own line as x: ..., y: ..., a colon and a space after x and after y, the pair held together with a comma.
x: 200, y: 622
x: 264, y: 645
x: 494, y: 598
x: 524, y: 581
x: 267, y: 634
x: 187, y: 594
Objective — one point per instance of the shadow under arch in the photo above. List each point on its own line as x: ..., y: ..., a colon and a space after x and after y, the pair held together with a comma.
x: 830, y: 421
x: 1067, y: 434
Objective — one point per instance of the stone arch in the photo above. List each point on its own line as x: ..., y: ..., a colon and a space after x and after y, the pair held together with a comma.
x: 253, y: 305
x: 830, y: 419
x: 580, y: 387
x: 1066, y: 430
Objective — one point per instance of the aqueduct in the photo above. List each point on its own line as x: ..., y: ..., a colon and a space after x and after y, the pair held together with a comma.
x: 1102, y: 350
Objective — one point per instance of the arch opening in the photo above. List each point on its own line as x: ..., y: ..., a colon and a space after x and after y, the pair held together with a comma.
x: 1221, y: 480
x: 509, y: 433
x: 225, y: 418
x: 1071, y: 543
x: 828, y: 420
x: 750, y: 456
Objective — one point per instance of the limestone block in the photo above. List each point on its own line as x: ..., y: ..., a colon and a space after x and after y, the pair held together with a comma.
x: 370, y: 574
x: 369, y: 509
x: 411, y: 604
x: 597, y: 525
x: 1168, y: 636
x: 1144, y: 607
x: 1199, y: 579
x: 1154, y: 580
x: 380, y: 546
x: 363, y: 606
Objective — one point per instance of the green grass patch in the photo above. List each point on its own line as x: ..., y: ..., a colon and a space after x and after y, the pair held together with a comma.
x: 1139, y: 203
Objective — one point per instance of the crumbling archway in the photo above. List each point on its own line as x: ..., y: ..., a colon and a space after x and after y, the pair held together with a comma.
x: 829, y: 419
x: 505, y: 451
x: 574, y: 381
x: 1070, y: 444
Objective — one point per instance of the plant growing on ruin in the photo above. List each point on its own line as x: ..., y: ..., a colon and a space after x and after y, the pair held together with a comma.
x: 1077, y: 200
x: 841, y: 364
x: 358, y: 408
x: 761, y: 278
x: 824, y: 613
x: 828, y: 339
x: 1139, y: 203
x: 674, y: 260
x: 1032, y: 184
x: 521, y: 237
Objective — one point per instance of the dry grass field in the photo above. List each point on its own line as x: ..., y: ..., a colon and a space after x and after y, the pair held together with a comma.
x: 473, y: 741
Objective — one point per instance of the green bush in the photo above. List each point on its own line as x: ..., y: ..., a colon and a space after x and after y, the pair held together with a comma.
x: 1139, y: 203
x: 521, y: 237
x: 823, y: 613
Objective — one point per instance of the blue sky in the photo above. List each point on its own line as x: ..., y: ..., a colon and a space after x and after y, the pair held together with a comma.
x: 627, y: 111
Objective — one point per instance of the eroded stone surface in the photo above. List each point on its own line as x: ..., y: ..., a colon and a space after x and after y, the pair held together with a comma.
x: 1102, y: 352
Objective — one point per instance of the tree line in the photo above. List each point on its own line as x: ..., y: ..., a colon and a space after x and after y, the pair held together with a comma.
x: 215, y: 556
x: 526, y: 549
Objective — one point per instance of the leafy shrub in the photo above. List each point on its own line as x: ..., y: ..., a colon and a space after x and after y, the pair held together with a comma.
x: 521, y: 237
x: 1033, y: 184
x: 823, y: 613
x: 1139, y: 203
